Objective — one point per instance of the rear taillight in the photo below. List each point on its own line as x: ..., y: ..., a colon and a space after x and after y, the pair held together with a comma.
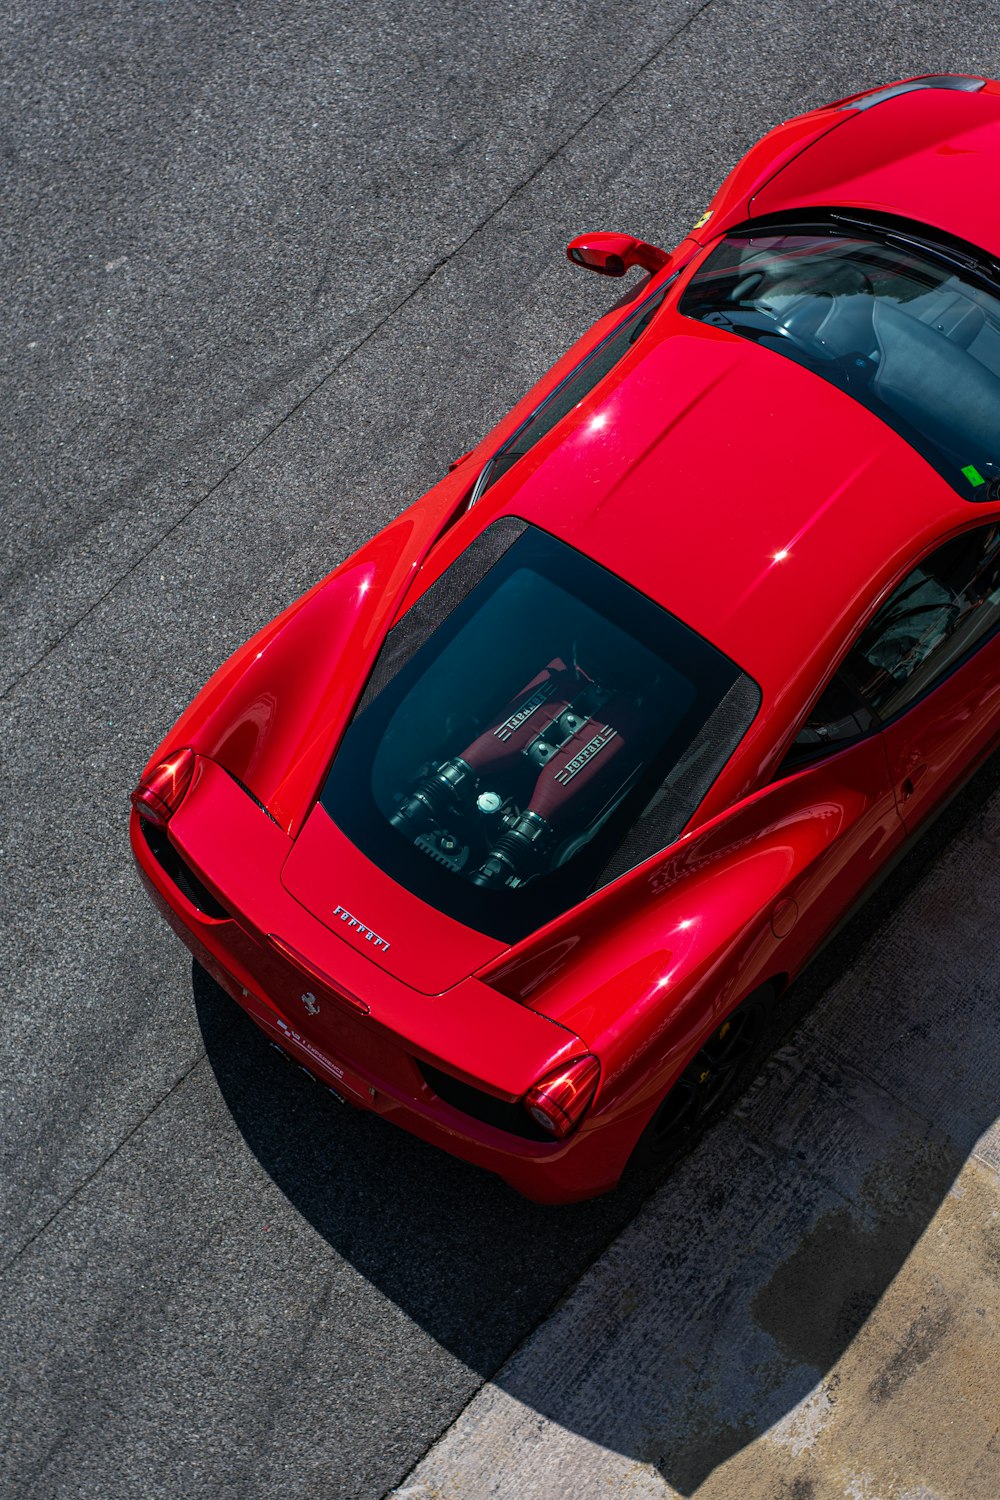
x: 559, y: 1102
x: 162, y: 790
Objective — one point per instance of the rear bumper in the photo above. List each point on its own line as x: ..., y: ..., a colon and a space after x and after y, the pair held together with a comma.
x: 366, y: 1063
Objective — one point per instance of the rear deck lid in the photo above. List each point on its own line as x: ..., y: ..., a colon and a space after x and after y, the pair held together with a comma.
x: 414, y: 942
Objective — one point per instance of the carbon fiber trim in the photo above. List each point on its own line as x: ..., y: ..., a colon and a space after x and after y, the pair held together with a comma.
x: 180, y: 873
x: 672, y: 804
x: 252, y: 795
x: 935, y: 81
x: 423, y: 618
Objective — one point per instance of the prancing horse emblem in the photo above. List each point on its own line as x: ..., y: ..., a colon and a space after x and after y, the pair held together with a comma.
x: 311, y: 1003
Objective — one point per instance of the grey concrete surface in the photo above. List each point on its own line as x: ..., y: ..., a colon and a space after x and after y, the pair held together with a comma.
x: 266, y: 270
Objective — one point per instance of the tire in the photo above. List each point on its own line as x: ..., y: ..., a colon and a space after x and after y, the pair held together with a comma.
x: 715, y: 1077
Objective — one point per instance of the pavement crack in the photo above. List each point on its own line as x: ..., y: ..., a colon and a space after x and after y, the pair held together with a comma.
x: 349, y: 354
x: 108, y: 1157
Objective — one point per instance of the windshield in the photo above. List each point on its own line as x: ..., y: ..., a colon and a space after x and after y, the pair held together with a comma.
x: 908, y: 336
x: 552, y: 729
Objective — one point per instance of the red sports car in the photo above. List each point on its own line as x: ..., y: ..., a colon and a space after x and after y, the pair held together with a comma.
x: 514, y: 827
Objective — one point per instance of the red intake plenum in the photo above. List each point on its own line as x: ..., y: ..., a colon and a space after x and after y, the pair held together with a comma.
x: 583, y: 761
x: 528, y: 714
x: 551, y: 762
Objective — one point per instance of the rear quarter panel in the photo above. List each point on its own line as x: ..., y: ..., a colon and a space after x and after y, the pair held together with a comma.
x: 645, y: 975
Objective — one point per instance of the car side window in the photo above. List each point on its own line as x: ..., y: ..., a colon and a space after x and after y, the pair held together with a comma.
x: 940, y: 612
x: 838, y: 717
x: 570, y: 391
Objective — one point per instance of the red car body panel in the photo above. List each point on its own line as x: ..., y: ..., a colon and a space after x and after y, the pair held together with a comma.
x: 371, y: 1061
x: 270, y: 711
x: 773, y: 152
x: 803, y: 510
x: 927, y: 156
x: 934, y: 746
x: 817, y: 541
x: 429, y: 950
x: 920, y: 155
x: 216, y: 817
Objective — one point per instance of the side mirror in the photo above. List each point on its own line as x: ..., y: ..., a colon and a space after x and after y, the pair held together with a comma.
x: 613, y: 254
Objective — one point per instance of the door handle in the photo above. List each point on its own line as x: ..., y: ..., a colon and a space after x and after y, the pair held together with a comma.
x: 909, y: 783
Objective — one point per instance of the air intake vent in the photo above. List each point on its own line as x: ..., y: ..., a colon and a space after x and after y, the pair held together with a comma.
x: 183, y: 877
x: 513, y: 1118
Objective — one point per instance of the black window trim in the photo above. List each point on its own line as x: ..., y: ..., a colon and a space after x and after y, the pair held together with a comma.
x: 482, y: 478
x: 842, y: 670
x: 971, y: 260
x: 825, y: 752
x: 609, y: 871
x: 960, y: 661
x: 974, y: 261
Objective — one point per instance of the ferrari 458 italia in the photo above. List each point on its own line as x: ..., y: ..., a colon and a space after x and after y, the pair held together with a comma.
x: 514, y: 828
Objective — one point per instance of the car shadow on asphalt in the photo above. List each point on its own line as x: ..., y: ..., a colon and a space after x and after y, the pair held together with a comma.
x: 774, y: 1241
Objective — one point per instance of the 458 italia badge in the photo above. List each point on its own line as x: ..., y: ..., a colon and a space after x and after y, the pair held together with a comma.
x: 311, y: 1003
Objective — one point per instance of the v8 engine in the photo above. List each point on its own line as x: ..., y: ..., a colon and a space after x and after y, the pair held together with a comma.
x: 533, y: 786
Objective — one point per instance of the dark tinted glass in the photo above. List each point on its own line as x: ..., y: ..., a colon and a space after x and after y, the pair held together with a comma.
x: 499, y: 769
x: 939, y: 613
x: 838, y: 717
x: 908, y: 336
x: 572, y: 390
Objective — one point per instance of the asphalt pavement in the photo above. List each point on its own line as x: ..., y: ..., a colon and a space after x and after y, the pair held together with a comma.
x: 266, y: 270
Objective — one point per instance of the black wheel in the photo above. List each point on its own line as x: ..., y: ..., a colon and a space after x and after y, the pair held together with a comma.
x: 716, y: 1076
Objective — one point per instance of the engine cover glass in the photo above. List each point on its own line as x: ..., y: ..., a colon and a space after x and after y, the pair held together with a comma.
x: 498, y: 771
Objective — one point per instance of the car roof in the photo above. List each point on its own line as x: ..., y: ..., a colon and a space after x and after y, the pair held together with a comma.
x: 763, y: 506
x: 928, y: 155
x: 743, y: 493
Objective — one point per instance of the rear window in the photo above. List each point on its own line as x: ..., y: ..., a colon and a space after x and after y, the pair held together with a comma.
x: 911, y: 337
x: 535, y: 729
